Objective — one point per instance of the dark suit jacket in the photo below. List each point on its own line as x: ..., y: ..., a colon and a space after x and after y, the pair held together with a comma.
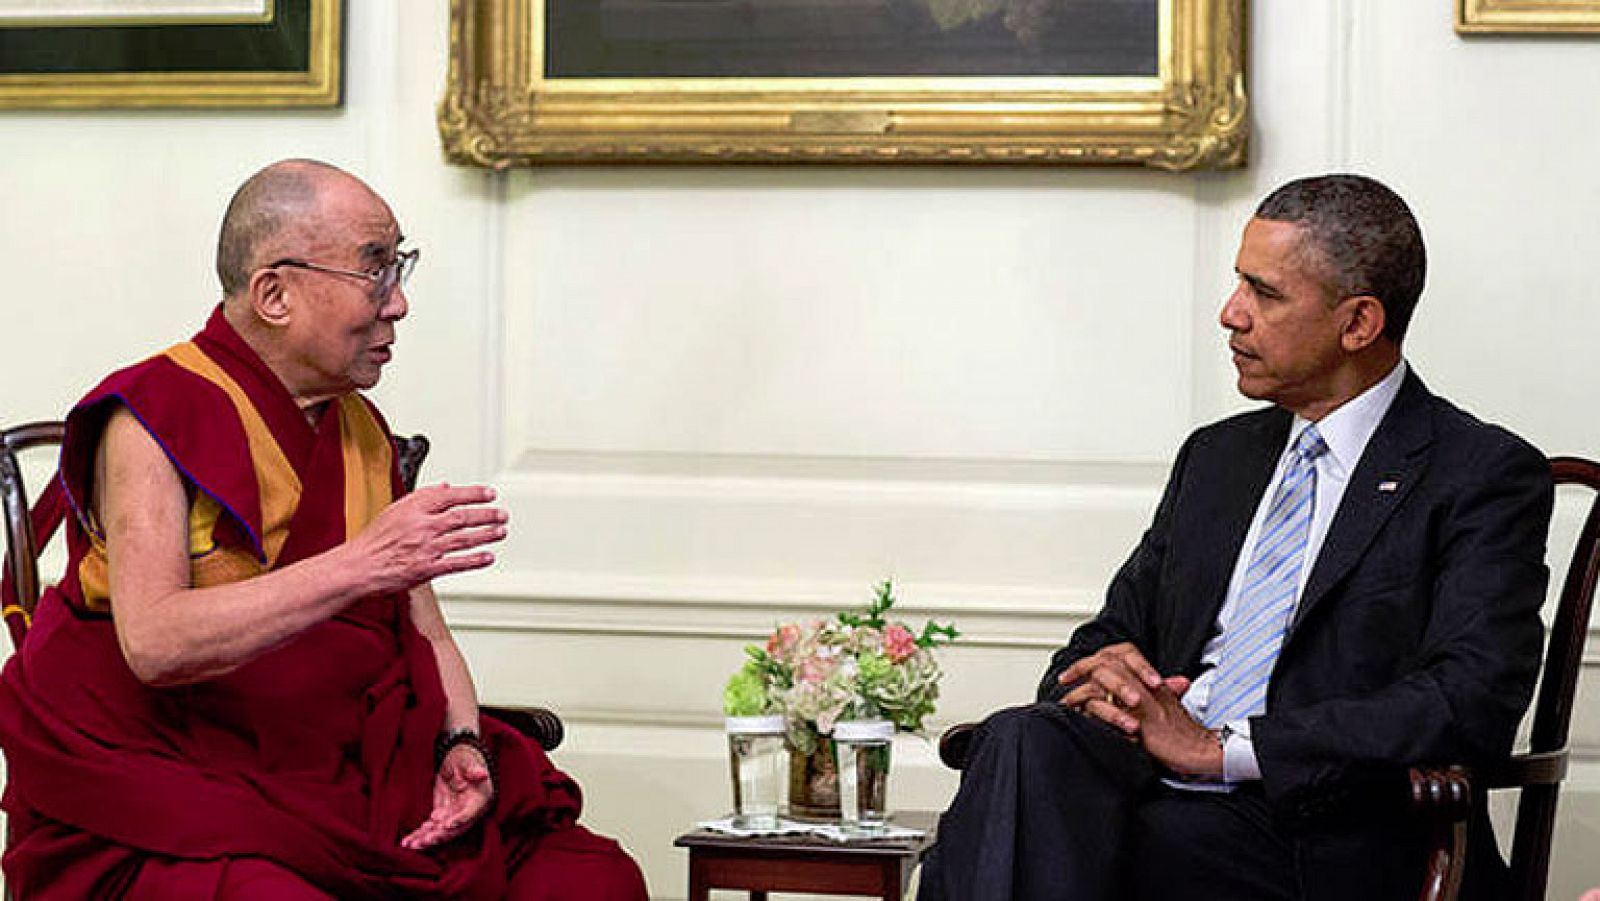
x: 1416, y: 640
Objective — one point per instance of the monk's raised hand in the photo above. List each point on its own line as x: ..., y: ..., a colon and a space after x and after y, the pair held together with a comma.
x: 462, y: 792
x: 431, y: 532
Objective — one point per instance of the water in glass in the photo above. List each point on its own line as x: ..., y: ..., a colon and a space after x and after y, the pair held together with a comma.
x: 863, y: 748
x: 759, y: 763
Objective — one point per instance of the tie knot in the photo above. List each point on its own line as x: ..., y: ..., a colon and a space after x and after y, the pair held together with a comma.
x: 1310, y: 445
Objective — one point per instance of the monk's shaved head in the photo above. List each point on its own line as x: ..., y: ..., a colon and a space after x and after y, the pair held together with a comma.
x: 260, y: 210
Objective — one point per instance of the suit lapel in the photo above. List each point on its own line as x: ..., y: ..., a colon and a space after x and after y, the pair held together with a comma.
x: 1230, y: 503
x: 1391, y: 466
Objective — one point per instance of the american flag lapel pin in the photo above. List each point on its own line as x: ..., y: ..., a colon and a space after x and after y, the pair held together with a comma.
x: 1388, y: 486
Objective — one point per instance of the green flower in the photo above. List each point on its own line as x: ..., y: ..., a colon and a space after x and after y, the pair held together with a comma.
x: 746, y: 692
x: 874, y: 669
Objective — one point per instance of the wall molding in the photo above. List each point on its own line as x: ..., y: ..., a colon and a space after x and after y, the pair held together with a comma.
x: 727, y: 477
x: 1133, y: 471
x: 1030, y: 618
x: 1342, y: 105
x: 491, y: 369
x: 746, y: 610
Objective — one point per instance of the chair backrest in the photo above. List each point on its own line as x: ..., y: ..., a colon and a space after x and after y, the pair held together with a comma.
x: 1558, y: 684
x: 26, y: 526
x: 22, y: 528
x: 409, y: 454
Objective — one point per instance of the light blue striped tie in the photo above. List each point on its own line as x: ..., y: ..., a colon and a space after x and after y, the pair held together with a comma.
x: 1271, y: 585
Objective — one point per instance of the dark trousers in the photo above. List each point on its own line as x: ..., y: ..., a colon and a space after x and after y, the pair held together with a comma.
x: 1055, y: 806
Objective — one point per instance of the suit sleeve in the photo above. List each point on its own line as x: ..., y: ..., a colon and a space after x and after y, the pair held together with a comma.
x: 1129, y: 612
x: 1470, y: 676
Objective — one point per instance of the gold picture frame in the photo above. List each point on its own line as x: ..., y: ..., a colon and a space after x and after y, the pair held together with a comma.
x: 1528, y: 16
x: 289, y: 55
x: 502, y: 108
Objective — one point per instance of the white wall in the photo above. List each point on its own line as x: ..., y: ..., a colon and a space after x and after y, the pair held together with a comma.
x: 717, y: 398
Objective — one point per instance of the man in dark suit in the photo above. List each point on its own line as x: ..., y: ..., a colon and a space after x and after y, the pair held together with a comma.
x: 1333, y: 588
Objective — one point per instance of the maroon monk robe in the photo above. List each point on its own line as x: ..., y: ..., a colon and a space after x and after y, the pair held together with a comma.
x: 314, y: 758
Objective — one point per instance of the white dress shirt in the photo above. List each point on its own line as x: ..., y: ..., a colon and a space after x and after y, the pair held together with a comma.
x: 1346, y: 431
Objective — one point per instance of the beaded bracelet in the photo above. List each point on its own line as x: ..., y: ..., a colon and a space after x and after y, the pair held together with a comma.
x: 470, y: 738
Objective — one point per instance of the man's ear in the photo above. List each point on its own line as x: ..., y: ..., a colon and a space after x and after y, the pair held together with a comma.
x: 1365, y: 324
x: 269, y: 297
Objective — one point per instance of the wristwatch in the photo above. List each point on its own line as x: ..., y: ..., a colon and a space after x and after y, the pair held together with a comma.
x: 1222, y: 733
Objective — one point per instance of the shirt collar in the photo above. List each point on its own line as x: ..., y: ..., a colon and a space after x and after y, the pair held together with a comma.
x: 1349, y: 427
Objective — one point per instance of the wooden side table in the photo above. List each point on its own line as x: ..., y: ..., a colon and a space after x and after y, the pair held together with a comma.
x: 879, y: 868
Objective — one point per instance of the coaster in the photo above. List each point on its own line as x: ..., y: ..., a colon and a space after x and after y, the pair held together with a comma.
x: 784, y: 827
x: 830, y: 831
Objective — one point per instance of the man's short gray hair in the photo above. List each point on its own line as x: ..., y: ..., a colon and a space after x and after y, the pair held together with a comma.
x: 1362, y: 236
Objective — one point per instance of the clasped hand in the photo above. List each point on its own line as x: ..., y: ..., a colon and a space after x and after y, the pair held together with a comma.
x: 1118, y: 686
x: 462, y: 791
x: 431, y: 532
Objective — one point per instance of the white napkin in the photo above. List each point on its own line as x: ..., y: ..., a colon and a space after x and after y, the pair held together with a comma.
x: 830, y: 831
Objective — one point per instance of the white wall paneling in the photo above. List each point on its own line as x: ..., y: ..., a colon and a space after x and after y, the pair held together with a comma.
x: 715, y: 399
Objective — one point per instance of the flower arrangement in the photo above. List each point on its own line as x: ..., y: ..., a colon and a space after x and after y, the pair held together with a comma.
x: 858, y: 665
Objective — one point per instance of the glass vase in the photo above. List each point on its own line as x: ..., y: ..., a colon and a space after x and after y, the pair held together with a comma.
x: 814, y: 783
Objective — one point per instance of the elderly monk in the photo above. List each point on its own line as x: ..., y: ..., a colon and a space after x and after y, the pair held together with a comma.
x: 243, y: 687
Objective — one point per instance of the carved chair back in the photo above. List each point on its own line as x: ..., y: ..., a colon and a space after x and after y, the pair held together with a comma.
x: 1558, y: 684
x: 22, y: 526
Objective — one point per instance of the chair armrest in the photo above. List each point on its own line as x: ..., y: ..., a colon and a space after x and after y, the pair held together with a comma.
x: 1443, y: 797
x: 1446, y: 791
x: 1441, y: 792
x: 538, y: 723
x: 955, y: 745
x: 1547, y: 768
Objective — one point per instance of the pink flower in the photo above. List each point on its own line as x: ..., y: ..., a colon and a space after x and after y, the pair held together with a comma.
x: 816, y: 669
x: 899, y: 643
x: 783, y: 640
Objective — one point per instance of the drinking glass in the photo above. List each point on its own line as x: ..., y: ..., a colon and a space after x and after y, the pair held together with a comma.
x: 758, y: 759
x: 863, y: 747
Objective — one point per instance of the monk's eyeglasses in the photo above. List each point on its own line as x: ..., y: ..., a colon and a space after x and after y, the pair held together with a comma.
x: 384, y: 279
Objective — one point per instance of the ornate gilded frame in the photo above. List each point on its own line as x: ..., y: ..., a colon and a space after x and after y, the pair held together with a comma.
x: 299, y: 41
x: 499, y: 109
x: 1527, y: 16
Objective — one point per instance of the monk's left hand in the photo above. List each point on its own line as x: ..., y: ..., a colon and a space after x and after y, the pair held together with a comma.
x: 462, y: 792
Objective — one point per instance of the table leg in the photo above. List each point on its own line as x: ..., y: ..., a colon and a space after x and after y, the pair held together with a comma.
x: 894, y: 881
x: 699, y: 890
x: 758, y: 895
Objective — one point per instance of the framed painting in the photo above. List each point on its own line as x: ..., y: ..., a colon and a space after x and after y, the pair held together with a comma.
x: 1137, y: 82
x: 1527, y: 16
x: 169, y: 53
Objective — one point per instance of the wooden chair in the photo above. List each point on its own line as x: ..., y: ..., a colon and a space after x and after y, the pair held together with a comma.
x: 25, y: 529
x: 1446, y: 796
x: 22, y: 549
